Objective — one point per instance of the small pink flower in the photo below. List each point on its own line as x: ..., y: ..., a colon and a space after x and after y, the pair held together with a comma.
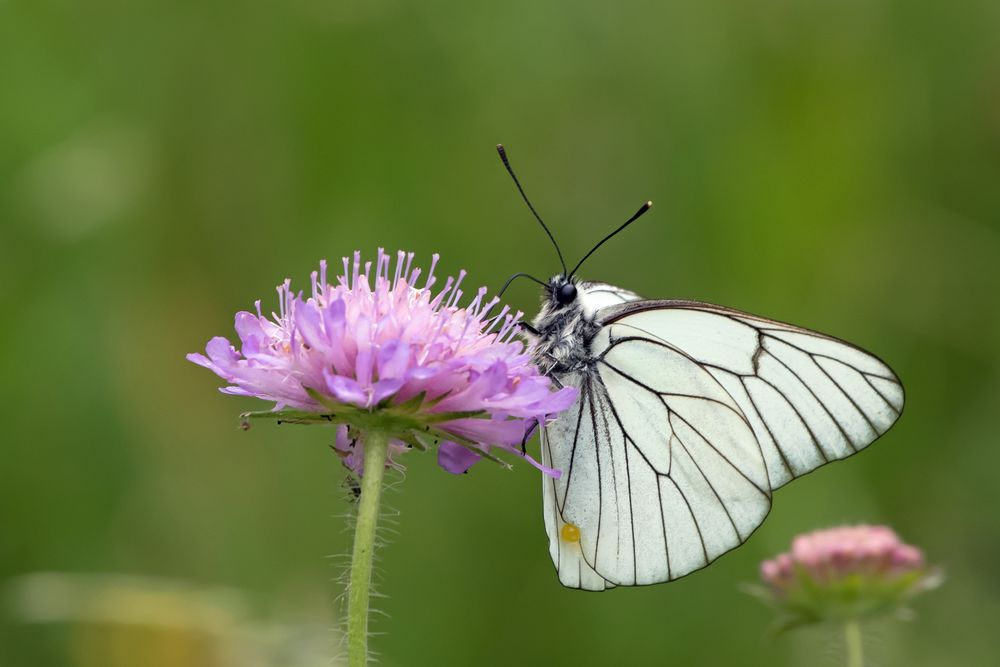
x: 843, y: 573
x: 378, y: 347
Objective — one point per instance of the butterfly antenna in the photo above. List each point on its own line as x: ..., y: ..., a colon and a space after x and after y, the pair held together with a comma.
x: 506, y: 163
x: 514, y: 277
x: 638, y: 214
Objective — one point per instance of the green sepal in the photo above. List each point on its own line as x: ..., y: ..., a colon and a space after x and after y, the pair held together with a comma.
x: 425, y: 439
x: 290, y: 416
x: 411, y: 441
x: 403, y: 421
x: 854, y: 596
x: 441, y: 417
x: 412, y: 405
x: 333, y: 406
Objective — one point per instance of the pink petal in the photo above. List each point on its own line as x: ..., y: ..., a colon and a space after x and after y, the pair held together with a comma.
x: 346, y: 390
x: 393, y: 359
x: 383, y: 389
x: 455, y: 458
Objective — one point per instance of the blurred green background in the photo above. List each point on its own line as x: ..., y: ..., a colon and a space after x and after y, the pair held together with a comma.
x: 163, y: 164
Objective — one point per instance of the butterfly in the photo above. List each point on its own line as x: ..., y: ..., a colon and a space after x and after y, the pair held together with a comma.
x: 689, y: 417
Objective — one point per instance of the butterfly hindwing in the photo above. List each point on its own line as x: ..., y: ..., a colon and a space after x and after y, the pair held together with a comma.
x: 568, y: 441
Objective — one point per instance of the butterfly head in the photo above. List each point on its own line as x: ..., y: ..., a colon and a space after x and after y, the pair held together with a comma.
x: 562, y: 291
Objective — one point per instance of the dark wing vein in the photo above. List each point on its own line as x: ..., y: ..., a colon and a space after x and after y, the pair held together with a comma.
x: 594, y: 397
x: 600, y: 490
x: 701, y: 472
x: 876, y: 389
x: 631, y: 512
x: 663, y: 524
x: 555, y: 500
x: 812, y: 436
x: 760, y: 415
x: 694, y: 519
x: 572, y: 455
x: 845, y: 394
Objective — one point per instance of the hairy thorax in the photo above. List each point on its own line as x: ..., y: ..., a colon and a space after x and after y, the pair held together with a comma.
x: 563, y: 341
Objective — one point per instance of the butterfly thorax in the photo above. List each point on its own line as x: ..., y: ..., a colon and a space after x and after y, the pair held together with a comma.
x: 563, y: 336
x: 568, y: 321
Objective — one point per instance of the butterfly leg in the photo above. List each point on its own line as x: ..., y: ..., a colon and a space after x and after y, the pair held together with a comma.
x: 530, y: 329
x: 528, y: 432
x: 548, y: 371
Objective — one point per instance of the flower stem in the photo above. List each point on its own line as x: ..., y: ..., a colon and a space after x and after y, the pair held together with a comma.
x: 852, y: 636
x: 376, y: 444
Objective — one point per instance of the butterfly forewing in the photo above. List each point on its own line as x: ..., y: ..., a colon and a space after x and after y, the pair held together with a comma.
x: 810, y: 398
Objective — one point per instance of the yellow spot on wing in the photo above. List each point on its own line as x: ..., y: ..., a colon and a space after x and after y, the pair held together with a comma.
x: 570, y: 533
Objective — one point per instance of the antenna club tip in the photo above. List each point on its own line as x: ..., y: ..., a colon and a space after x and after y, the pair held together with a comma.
x: 500, y: 148
x: 649, y: 203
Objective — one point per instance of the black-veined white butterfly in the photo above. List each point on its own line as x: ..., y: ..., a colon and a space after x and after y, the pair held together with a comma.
x: 689, y: 416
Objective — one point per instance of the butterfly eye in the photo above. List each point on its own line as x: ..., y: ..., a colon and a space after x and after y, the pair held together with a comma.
x: 566, y: 294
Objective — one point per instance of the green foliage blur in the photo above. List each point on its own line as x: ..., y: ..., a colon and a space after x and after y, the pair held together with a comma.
x: 164, y: 164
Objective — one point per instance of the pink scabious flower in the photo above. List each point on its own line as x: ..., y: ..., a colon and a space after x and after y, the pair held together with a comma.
x: 844, y: 573
x: 379, y: 349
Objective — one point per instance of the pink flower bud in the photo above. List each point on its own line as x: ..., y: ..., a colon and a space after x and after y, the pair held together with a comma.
x: 844, y: 572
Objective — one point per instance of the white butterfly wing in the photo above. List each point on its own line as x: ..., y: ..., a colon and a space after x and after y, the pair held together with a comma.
x: 693, y: 414
x: 575, y: 427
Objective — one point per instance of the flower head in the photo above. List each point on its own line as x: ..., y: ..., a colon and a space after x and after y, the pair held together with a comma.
x: 845, y: 573
x: 379, y: 349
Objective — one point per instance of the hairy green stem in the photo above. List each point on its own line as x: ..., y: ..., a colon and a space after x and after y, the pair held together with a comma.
x: 852, y: 636
x: 376, y: 444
